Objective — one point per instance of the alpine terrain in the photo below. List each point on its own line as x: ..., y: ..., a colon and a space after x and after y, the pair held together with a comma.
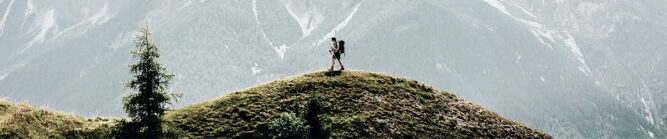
x: 573, y: 69
x: 350, y: 104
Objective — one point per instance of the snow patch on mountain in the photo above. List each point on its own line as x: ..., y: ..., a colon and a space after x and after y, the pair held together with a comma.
x: 186, y: 4
x: 341, y: 25
x: 523, y: 10
x: 542, y: 33
x: 570, y: 43
x: 82, y: 27
x: 2, y: 77
x: 29, y: 11
x: 82, y: 74
x: 309, y: 18
x: 281, y: 50
x: 501, y: 8
x: 442, y: 67
x: 3, y: 20
x: 647, y: 109
x: 46, y: 22
x: 650, y: 134
x: 254, y: 11
x: 12, y: 68
x: 122, y: 39
x: 255, y: 69
x: 541, y: 36
x: 102, y: 16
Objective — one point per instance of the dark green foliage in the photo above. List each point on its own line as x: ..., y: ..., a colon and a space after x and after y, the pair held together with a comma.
x: 288, y: 125
x: 296, y: 107
x: 125, y: 128
x: 147, y: 105
x: 314, y: 108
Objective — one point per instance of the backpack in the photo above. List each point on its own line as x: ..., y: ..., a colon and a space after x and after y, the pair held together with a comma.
x: 341, y: 46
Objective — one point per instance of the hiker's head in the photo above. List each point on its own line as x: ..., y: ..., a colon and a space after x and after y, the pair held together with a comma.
x: 333, y: 39
x: 341, y: 43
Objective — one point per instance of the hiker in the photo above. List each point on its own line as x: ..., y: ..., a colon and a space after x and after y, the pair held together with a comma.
x: 337, y: 49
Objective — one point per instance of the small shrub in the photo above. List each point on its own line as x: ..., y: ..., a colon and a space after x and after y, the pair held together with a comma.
x: 127, y: 129
x: 288, y: 125
x: 172, y: 132
x: 426, y: 95
x: 315, y: 107
x: 296, y: 107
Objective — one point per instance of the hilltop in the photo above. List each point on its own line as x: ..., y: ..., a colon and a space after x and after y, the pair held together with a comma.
x: 354, y: 104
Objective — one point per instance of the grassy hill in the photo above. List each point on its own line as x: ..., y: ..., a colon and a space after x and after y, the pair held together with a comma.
x: 356, y: 104
x: 353, y: 104
x: 26, y: 121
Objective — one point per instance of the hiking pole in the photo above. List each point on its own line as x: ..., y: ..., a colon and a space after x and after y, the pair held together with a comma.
x: 331, y: 52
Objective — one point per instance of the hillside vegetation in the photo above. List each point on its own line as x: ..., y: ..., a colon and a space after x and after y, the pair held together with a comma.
x: 26, y: 121
x: 350, y: 104
x: 355, y: 104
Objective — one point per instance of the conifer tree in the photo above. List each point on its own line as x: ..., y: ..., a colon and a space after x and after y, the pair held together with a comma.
x: 147, y: 103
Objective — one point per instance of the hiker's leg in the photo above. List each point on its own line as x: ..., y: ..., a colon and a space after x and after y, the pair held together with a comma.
x: 333, y: 62
x: 341, y: 65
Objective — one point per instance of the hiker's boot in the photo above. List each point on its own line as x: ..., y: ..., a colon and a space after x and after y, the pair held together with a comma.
x: 330, y: 69
x: 342, y: 68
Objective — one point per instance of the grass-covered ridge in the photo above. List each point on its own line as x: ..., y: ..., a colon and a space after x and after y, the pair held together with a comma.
x: 353, y: 104
x: 26, y: 121
x: 356, y: 104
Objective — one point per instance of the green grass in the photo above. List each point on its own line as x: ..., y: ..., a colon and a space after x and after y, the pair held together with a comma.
x: 357, y: 104
x: 26, y: 121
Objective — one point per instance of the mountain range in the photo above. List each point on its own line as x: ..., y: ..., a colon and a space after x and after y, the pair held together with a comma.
x: 573, y: 69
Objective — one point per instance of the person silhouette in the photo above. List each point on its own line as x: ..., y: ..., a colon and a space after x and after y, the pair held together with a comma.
x: 336, y: 54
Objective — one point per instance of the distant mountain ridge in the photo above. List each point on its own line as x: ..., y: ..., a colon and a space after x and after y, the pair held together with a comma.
x: 578, y: 69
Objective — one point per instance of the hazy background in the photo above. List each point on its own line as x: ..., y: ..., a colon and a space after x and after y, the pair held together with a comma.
x: 574, y: 69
